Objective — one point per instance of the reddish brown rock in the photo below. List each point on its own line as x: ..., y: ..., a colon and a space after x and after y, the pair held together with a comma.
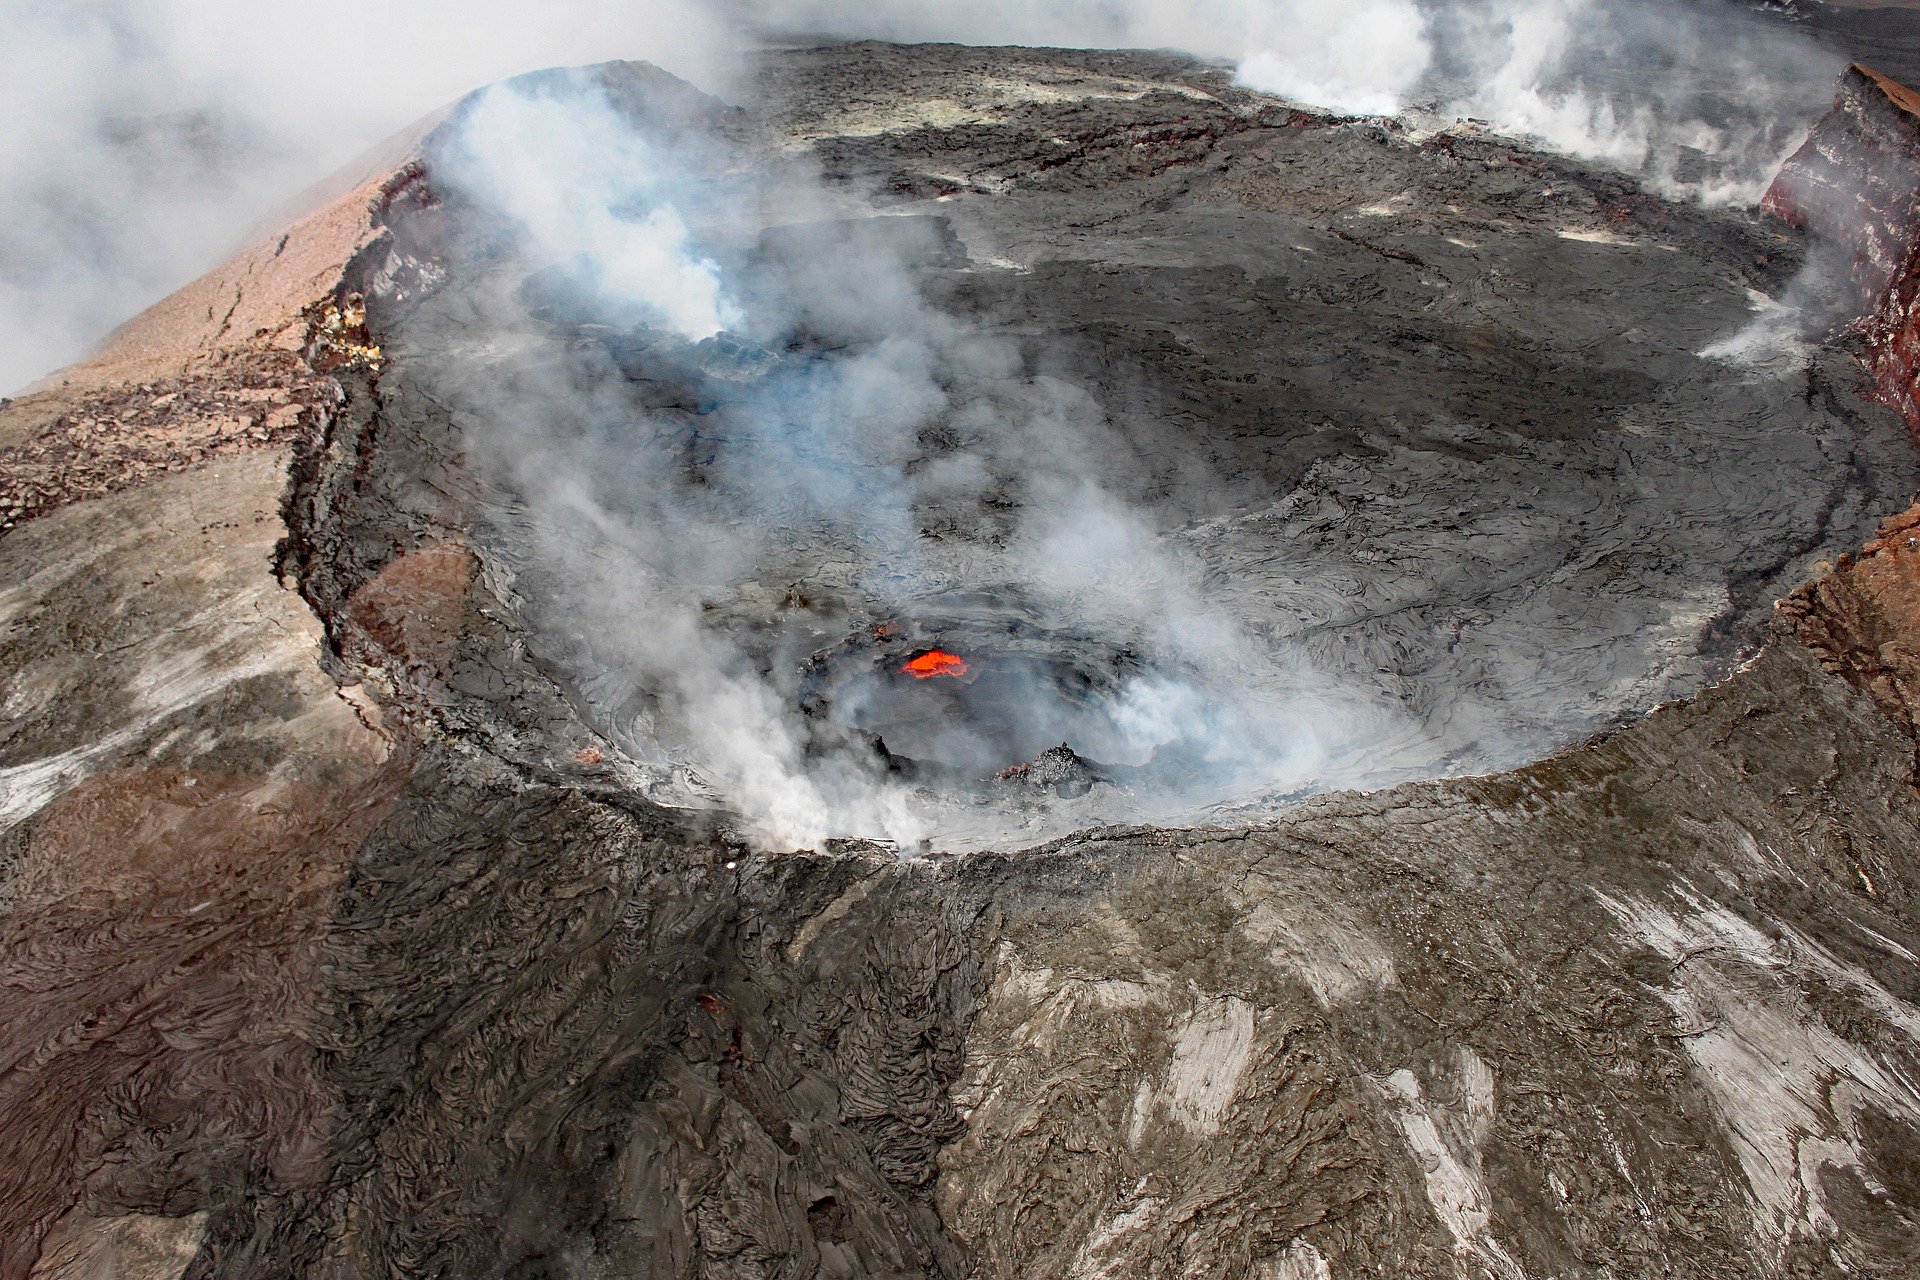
x: 409, y: 612
x: 237, y: 359
x: 160, y: 969
x: 1863, y: 619
x: 1856, y: 180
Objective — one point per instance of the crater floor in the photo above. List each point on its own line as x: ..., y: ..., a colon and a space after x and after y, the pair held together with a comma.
x: 1398, y: 451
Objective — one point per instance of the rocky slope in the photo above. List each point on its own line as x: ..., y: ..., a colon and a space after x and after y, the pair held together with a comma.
x: 1856, y: 180
x: 343, y: 938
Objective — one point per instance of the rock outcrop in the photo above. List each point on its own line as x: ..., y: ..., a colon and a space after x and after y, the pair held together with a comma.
x: 341, y: 938
x: 1863, y: 618
x: 1856, y: 182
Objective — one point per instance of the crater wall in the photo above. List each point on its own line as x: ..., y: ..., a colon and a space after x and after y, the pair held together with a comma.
x: 1856, y: 182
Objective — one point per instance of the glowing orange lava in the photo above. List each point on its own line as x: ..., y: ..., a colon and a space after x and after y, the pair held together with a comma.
x: 936, y: 662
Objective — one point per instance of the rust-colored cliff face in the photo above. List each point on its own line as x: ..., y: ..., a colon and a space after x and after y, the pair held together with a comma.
x: 1863, y: 619
x: 1856, y: 180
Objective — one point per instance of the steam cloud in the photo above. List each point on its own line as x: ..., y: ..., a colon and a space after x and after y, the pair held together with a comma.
x: 147, y: 139
x: 817, y: 471
x: 144, y: 141
x: 1698, y: 104
x: 549, y: 165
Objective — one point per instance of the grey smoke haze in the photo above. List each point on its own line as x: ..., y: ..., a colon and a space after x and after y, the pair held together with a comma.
x: 146, y: 139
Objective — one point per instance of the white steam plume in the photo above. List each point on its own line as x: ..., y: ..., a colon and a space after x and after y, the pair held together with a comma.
x: 541, y: 160
x: 1357, y: 56
x: 141, y: 141
x: 1700, y: 103
x: 1362, y: 56
x: 818, y: 455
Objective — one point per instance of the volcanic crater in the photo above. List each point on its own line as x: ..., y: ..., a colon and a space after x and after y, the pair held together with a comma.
x: 1381, y: 490
x: 519, y: 810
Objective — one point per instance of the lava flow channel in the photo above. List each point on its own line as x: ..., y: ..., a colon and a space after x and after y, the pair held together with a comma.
x: 935, y: 662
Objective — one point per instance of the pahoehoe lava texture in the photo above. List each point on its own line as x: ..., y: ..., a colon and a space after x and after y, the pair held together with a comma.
x: 1647, y: 1006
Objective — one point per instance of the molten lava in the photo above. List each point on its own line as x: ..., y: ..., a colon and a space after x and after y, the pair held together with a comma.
x: 935, y: 662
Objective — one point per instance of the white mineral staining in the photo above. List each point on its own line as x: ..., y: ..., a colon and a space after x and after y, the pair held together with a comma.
x: 1210, y: 1053
x: 1446, y: 1139
x: 1337, y: 959
x: 1788, y: 1090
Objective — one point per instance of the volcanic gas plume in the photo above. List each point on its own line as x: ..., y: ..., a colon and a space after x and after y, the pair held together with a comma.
x: 765, y: 401
x: 825, y: 516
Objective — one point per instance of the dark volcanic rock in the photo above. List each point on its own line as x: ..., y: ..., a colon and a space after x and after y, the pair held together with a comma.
x: 1879, y: 35
x: 346, y: 933
x: 1059, y: 769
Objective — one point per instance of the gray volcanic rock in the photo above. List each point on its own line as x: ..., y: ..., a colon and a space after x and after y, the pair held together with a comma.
x: 1880, y: 35
x: 459, y: 963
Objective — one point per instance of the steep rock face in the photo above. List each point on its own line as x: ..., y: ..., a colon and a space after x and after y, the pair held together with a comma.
x: 455, y: 998
x: 1861, y: 619
x: 1856, y: 181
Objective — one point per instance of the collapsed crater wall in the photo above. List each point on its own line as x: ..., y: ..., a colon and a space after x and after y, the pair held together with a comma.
x: 1856, y: 182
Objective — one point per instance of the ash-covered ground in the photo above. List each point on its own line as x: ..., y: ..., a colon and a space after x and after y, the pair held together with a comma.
x: 1244, y: 451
